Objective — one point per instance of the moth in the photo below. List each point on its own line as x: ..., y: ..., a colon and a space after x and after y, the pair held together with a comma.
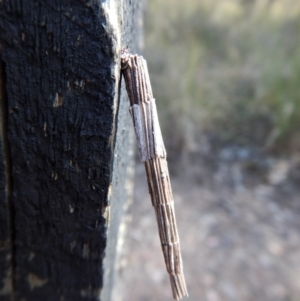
x: 153, y: 154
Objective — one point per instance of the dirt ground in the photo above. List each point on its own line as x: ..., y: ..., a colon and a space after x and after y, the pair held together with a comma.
x: 239, y: 226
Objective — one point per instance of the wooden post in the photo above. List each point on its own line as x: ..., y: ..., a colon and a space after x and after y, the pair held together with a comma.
x: 66, y: 141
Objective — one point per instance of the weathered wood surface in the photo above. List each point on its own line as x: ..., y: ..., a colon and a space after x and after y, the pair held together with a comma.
x: 5, y: 201
x: 61, y: 73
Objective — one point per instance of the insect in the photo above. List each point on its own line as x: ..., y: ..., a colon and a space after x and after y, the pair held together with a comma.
x: 153, y: 154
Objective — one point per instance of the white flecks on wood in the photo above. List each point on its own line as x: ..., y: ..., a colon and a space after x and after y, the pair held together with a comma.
x: 58, y: 100
x: 35, y: 281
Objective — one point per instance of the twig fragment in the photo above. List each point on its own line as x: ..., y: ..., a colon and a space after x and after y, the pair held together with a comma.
x: 152, y: 152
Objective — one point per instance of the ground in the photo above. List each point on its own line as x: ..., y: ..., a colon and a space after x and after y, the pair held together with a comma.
x: 239, y: 226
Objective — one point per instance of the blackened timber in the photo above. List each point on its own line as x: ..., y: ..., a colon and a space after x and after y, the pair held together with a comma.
x: 61, y: 63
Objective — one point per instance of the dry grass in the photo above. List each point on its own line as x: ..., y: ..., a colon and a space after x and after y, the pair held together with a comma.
x: 226, y: 69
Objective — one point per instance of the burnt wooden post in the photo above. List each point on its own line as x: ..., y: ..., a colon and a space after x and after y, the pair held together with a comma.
x: 65, y: 146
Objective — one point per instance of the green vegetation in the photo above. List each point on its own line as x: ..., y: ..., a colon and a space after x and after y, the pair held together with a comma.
x: 226, y: 69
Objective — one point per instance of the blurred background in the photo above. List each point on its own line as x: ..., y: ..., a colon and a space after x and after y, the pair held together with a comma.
x: 226, y: 77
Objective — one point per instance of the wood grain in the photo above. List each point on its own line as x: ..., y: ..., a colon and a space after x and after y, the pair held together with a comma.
x: 66, y: 145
